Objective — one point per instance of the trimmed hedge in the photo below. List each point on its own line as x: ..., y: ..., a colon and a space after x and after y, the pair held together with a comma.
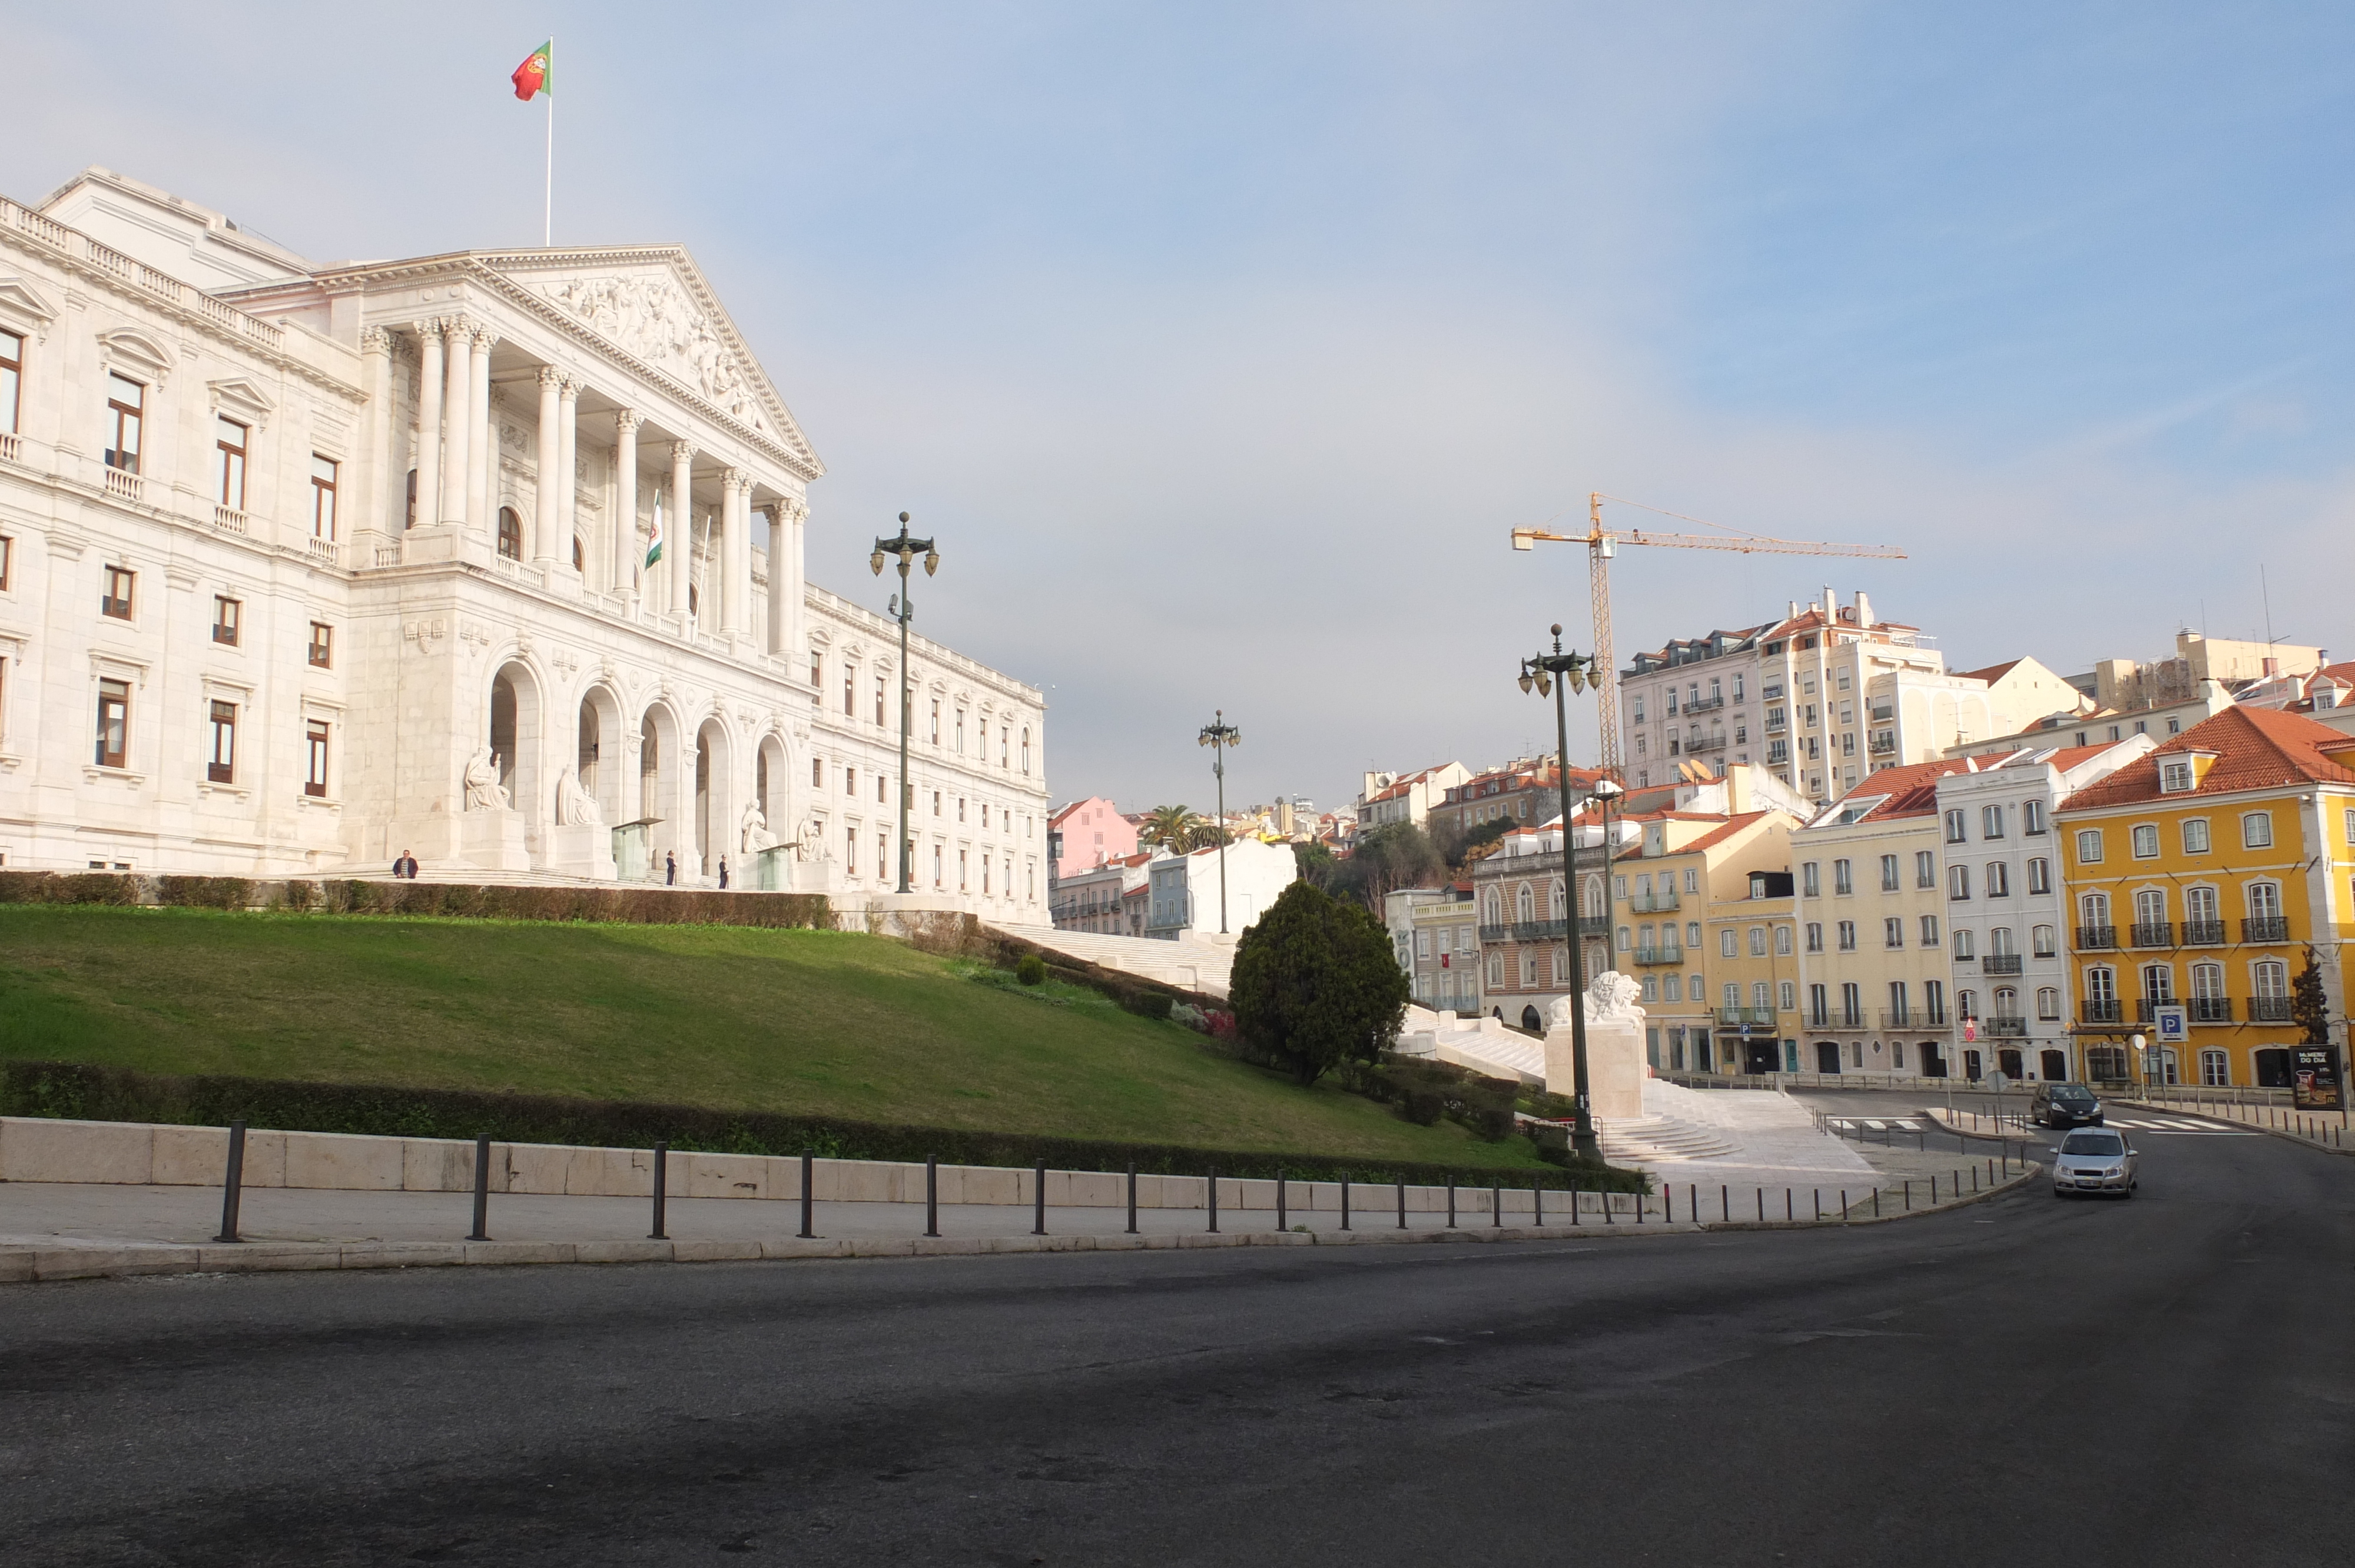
x: 117, y: 1094
x: 608, y: 905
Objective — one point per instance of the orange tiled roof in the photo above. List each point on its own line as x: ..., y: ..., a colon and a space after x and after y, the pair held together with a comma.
x: 2257, y: 748
x: 1732, y: 826
x: 1912, y: 789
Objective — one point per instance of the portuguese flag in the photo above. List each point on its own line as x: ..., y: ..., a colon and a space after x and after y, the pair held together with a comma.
x: 532, y: 78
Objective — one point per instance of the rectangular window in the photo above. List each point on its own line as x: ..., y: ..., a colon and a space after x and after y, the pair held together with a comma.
x: 1929, y: 930
x: 2175, y: 778
x: 1889, y: 874
x: 2257, y: 830
x: 1893, y: 932
x: 850, y: 692
x: 1990, y: 821
x: 2040, y: 874
x: 850, y: 781
x: 817, y: 671
x: 936, y: 721
x: 1757, y: 941
x: 1811, y: 882
x: 116, y: 600
x: 114, y: 722
x: 126, y: 406
x: 2031, y: 817
x: 229, y: 462
x: 1783, y: 940
x: 226, y: 613
x: 12, y: 379
x: 220, y: 767
x: 1843, y: 878
x: 1847, y: 936
x: 323, y: 646
x: 2089, y: 846
x: 7, y: 559
x: 817, y: 772
x: 1725, y: 941
x: 323, y: 497
x: 1926, y: 869
x: 879, y: 717
x: 1814, y: 935
x: 851, y: 851
x: 1999, y: 879
x: 1959, y: 882
x: 2143, y: 840
x: 1955, y: 826
x: 315, y: 778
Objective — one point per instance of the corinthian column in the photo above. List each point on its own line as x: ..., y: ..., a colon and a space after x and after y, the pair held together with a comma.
x: 456, y: 402
x: 625, y: 499
x: 429, y: 420
x: 376, y: 380
x: 568, y: 509
x: 735, y: 495
x: 796, y: 591
x: 781, y: 550
x: 483, y: 442
x: 679, y: 552
x: 549, y: 492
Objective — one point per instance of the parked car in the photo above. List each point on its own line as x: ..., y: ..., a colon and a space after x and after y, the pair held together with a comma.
x: 2095, y: 1161
x: 2065, y: 1105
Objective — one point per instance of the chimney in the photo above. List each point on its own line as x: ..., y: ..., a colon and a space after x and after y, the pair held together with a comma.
x: 1830, y: 605
x: 1795, y: 611
x: 1863, y: 610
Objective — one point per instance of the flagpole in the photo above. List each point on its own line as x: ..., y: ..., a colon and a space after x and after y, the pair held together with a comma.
x: 547, y: 213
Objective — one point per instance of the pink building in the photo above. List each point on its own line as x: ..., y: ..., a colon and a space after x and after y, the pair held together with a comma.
x: 1093, y: 831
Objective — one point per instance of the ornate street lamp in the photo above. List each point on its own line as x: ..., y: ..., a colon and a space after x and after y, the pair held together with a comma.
x: 907, y: 549
x: 1555, y: 674
x: 1219, y: 735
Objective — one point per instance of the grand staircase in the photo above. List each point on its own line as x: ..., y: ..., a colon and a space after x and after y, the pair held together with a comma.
x: 1191, y: 963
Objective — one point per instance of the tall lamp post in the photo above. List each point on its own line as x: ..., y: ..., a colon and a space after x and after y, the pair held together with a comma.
x: 903, y: 610
x: 1555, y: 674
x: 1219, y: 735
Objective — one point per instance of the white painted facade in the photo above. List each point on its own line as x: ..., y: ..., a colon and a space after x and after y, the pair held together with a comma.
x: 443, y: 474
x: 1183, y: 890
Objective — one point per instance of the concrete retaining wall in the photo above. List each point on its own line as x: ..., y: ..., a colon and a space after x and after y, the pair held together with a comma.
x: 33, y: 1149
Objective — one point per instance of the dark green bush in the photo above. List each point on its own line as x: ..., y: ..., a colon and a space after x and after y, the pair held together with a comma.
x: 1030, y: 969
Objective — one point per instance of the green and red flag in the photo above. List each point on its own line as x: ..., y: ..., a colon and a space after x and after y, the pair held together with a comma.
x: 532, y: 78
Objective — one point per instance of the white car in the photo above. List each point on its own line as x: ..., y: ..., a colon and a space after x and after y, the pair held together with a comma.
x: 2095, y: 1159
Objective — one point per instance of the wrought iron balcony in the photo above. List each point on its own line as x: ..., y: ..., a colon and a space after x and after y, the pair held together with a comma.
x: 1999, y: 964
x: 1496, y: 933
x: 2269, y: 1010
x: 1933, y: 1018
x: 1746, y: 1018
x: 1703, y: 704
x: 1900, y: 1017
x: 1882, y: 742
x: 1539, y: 930
x: 2210, y: 1009
x: 2203, y: 932
x: 2152, y: 933
x: 2146, y: 1007
x: 1594, y: 925
x: 1660, y: 954
x: 2096, y: 1010
x: 1706, y: 743
x: 1652, y: 902
x: 2096, y: 939
x: 2265, y: 931
x: 2000, y: 1027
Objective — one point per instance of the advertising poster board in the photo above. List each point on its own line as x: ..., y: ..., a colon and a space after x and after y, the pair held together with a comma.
x: 2315, y: 1079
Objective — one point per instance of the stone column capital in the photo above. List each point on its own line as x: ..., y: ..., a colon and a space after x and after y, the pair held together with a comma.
x: 485, y: 340
x: 682, y: 451
x: 568, y: 389
x: 626, y: 421
x: 375, y: 339
x: 431, y: 327
x: 550, y: 377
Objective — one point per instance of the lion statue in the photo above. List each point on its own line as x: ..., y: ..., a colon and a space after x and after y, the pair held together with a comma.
x: 1610, y: 995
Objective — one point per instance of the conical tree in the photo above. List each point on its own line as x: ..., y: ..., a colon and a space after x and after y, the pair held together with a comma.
x: 1314, y: 983
x: 2309, y: 1007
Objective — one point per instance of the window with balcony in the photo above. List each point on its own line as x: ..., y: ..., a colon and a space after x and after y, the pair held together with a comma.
x: 1929, y: 930
x: 221, y: 762
x: 229, y: 462
x: 1893, y: 932
x: 1926, y: 869
x: 1814, y: 935
x: 1847, y: 936
x: 126, y: 410
x: 1889, y: 874
x: 511, y: 543
x: 12, y: 376
x: 1843, y: 877
x: 227, y: 616
x: 323, y: 497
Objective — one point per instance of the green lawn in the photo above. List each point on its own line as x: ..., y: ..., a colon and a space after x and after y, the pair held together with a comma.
x: 807, y: 1022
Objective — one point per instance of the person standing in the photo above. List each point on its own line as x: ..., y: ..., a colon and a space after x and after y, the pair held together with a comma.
x: 670, y: 869
x: 405, y: 866
x: 723, y: 871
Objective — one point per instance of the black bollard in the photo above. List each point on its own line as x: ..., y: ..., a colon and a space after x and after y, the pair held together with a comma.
x: 1345, y: 1200
x: 1537, y: 1203
x: 481, y: 1190
x: 809, y: 1178
x: 1496, y: 1207
x: 931, y: 1194
x: 1283, y: 1221
x: 1039, y: 1200
x: 1214, y: 1200
x: 1451, y: 1202
x: 1402, y: 1205
x: 662, y: 1175
x: 1131, y: 1197
x: 232, y: 1184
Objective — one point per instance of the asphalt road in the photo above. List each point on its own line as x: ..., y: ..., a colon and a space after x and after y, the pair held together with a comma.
x: 2028, y: 1382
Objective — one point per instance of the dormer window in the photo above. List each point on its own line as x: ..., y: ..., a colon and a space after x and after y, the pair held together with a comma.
x: 2176, y: 777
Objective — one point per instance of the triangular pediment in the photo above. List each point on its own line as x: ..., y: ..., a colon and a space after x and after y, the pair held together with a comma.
x: 653, y: 305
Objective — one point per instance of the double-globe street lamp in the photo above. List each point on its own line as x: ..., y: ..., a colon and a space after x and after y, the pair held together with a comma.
x: 1219, y: 735
x: 1555, y: 674
x: 907, y: 549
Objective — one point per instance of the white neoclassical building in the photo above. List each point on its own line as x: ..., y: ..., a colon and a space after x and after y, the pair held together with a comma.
x: 301, y: 567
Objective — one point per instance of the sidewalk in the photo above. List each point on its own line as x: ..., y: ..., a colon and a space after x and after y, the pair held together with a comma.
x: 2319, y: 1130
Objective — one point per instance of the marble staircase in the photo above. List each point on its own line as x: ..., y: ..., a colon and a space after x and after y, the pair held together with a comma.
x: 1191, y: 963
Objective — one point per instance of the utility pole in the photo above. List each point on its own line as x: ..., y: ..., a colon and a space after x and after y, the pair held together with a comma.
x: 903, y: 608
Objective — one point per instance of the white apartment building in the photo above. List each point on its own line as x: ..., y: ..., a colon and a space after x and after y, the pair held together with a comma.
x: 2006, y: 909
x: 1184, y: 892
x: 302, y: 567
x: 1389, y: 798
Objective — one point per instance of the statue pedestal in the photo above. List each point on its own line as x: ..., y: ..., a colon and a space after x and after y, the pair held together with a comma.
x: 493, y: 841
x: 1614, y: 1065
x: 583, y: 850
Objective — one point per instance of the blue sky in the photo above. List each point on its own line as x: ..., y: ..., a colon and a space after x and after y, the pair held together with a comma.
x: 1221, y: 346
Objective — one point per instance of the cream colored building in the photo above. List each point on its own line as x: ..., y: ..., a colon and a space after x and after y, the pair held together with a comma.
x: 305, y: 566
x: 1668, y: 894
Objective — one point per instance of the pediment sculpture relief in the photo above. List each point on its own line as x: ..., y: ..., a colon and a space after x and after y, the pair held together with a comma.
x: 652, y: 318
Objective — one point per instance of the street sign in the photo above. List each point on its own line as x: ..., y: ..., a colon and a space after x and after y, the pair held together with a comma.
x: 2173, y: 1022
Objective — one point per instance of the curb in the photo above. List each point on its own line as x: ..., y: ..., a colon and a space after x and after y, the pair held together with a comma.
x: 23, y: 1264
x: 2015, y: 1135
x: 2283, y: 1133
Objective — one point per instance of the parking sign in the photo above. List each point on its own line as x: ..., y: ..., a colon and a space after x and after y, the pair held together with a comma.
x: 2172, y: 1023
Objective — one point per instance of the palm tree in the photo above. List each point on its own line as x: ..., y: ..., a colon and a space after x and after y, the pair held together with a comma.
x: 1171, y: 826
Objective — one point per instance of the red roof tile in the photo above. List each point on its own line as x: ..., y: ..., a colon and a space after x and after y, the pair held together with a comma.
x: 1912, y: 791
x: 2257, y: 748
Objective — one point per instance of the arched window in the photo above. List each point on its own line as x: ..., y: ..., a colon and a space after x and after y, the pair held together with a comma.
x: 1525, y: 905
x: 510, y: 533
x: 2265, y: 900
x: 2157, y: 982
x: 1495, y: 911
x: 580, y: 555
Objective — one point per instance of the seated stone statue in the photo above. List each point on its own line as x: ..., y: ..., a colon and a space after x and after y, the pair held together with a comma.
x: 575, y: 807
x: 757, y: 836
x: 483, y: 792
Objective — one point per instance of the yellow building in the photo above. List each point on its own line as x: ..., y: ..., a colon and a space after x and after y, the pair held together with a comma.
x: 2201, y: 876
x: 1671, y: 895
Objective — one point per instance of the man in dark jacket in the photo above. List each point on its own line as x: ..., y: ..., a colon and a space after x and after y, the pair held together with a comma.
x: 723, y: 871
x: 670, y: 869
x: 406, y: 866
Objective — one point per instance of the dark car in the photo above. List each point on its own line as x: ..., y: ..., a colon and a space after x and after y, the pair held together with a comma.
x: 2065, y: 1105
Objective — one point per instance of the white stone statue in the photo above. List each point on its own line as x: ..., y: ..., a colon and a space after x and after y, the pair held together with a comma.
x: 757, y: 836
x: 1610, y: 995
x: 483, y: 792
x: 813, y: 842
x: 575, y: 807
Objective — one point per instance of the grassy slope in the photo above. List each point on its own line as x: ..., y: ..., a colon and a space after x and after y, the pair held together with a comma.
x: 815, y: 1022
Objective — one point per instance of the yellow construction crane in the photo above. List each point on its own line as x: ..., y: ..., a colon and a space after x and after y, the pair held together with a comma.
x: 1603, y: 542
